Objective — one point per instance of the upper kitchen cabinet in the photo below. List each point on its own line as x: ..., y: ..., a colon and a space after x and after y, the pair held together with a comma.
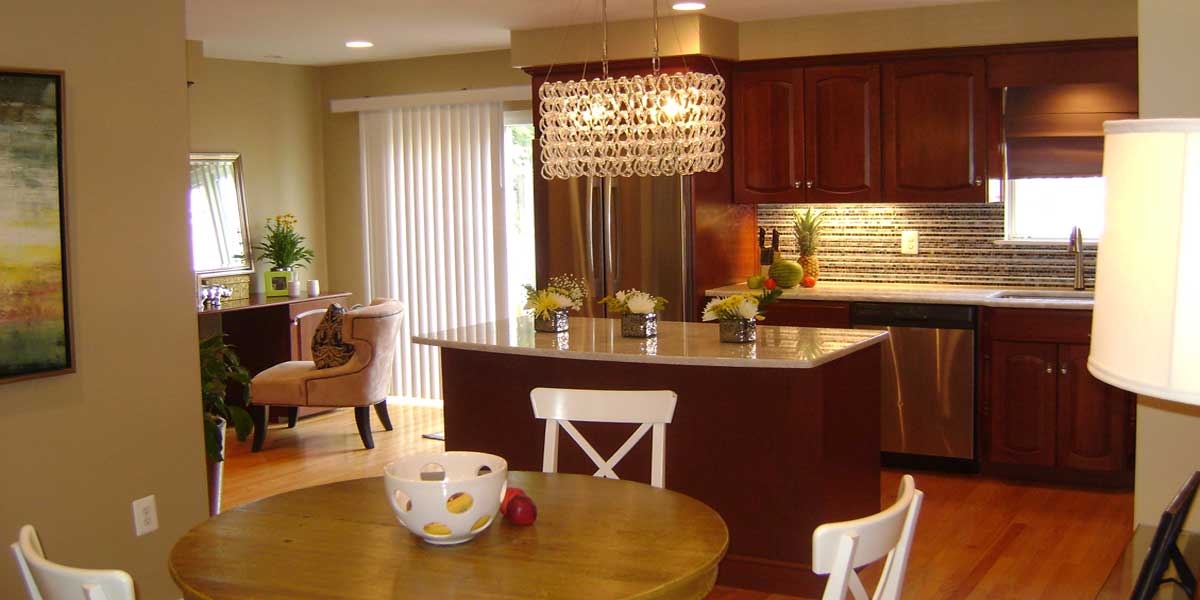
x: 842, y: 122
x: 934, y: 130
x: 768, y: 136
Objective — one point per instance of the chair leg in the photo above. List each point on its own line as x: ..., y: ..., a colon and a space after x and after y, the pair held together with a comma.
x: 384, y: 417
x: 362, y: 417
x: 258, y: 413
x: 293, y: 413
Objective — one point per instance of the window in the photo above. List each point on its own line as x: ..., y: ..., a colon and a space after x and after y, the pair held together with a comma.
x: 1047, y: 208
x: 518, y: 203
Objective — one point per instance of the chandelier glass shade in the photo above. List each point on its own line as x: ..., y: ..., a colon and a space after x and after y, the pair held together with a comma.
x: 644, y: 125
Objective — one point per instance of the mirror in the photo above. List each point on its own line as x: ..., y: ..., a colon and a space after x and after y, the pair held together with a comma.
x: 220, y: 238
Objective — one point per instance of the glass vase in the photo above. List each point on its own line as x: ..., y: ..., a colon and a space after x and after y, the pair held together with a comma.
x: 738, y: 331
x: 639, y: 326
x: 554, y: 323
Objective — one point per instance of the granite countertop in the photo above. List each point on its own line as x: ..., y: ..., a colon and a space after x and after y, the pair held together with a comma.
x: 677, y: 343
x: 924, y: 294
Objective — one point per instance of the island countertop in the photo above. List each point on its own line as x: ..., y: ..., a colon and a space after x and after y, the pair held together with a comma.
x: 677, y: 343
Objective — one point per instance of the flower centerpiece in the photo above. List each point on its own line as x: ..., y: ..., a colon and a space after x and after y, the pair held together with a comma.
x: 639, y: 311
x: 284, y: 248
x: 739, y: 314
x: 550, y: 304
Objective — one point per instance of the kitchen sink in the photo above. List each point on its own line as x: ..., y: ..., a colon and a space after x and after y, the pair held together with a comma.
x: 1046, y: 294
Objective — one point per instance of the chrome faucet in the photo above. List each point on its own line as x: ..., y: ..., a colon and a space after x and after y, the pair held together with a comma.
x: 1075, y: 246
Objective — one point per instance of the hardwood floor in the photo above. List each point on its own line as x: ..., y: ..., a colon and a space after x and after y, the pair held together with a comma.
x: 977, y: 538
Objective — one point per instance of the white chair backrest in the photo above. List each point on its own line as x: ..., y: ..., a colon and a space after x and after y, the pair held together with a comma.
x: 652, y: 409
x: 45, y: 580
x: 839, y: 548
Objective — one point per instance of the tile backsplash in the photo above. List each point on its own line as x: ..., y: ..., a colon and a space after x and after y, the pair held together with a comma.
x: 958, y: 245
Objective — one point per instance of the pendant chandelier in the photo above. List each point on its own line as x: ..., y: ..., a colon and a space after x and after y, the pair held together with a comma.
x: 645, y: 125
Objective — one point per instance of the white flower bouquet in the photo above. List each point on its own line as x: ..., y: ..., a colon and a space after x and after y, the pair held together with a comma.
x: 562, y: 292
x: 634, y: 302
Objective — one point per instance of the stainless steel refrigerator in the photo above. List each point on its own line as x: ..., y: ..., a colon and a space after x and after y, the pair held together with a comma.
x: 621, y: 233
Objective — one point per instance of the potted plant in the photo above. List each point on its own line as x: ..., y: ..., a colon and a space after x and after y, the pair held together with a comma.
x: 284, y: 248
x: 639, y: 311
x: 551, y: 303
x: 219, y: 366
x: 739, y: 314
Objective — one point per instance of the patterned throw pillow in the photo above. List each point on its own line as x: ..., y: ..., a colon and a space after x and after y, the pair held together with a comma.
x: 327, y: 346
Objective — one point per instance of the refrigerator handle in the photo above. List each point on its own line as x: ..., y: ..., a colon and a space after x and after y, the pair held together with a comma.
x: 610, y: 282
x: 614, y: 236
x: 590, y: 236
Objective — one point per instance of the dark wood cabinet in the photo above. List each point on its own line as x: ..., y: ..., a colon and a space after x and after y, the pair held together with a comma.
x: 808, y: 313
x: 768, y: 136
x: 1094, y: 418
x: 934, y: 130
x: 1044, y: 415
x: 842, y: 150
x: 1023, y: 391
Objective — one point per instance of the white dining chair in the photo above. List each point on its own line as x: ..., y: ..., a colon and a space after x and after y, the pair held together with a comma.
x: 840, y: 548
x: 651, y: 409
x: 46, y: 580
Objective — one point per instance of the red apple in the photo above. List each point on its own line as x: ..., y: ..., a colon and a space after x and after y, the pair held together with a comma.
x: 511, y: 493
x: 521, y: 510
x: 809, y: 281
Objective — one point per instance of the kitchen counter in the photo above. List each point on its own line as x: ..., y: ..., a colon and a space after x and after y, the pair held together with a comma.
x: 919, y: 294
x: 778, y: 436
x: 695, y: 344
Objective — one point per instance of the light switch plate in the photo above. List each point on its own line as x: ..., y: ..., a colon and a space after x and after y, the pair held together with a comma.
x: 908, y: 242
x: 145, y: 515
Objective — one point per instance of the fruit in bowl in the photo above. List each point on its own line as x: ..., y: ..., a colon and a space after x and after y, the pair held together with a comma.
x: 448, y: 497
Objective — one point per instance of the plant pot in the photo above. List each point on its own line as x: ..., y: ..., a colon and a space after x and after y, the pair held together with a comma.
x: 738, y: 331
x: 275, y: 281
x: 556, y: 322
x: 639, y: 326
x: 216, y: 471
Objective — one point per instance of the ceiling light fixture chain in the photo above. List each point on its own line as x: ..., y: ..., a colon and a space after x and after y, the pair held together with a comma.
x: 644, y: 125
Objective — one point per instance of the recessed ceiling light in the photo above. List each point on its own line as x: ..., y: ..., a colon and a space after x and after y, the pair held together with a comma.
x: 359, y: 44
x: 688, y: 6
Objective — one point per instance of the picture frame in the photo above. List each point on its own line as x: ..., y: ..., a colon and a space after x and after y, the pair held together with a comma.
x: 35, y: 309
x: 276, y: 282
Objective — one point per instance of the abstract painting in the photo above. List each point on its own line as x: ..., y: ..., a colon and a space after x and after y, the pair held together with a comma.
x: 35, y: 336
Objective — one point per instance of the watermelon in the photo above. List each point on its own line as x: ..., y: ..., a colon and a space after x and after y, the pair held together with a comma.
x: 786, y: 273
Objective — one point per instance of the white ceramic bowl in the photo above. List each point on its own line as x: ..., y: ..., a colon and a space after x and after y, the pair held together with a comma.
x: 451, y: 508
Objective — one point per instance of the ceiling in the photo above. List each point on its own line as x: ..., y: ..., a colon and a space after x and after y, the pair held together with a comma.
x: 314, y: 32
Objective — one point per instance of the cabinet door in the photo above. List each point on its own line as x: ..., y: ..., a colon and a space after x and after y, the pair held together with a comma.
x: 807, y: 313
x: 1093, y: 416
x: 934, y: 130
x: 768, y: 136
x: 842, y: 127
x: 1023, y: 384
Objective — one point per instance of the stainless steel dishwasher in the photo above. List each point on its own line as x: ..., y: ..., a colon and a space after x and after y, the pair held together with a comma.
x: 928, y: 415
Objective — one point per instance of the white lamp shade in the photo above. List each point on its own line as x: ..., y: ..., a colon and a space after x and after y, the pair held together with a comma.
x: 1146, y: 327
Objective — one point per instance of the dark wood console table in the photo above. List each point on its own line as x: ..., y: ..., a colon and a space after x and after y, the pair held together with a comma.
x: 261, y: 329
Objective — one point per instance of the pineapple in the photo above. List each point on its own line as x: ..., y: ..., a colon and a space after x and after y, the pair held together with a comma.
x: 807, y: 226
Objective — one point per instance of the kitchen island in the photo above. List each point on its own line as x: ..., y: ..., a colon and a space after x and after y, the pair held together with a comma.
x: 778, y: 436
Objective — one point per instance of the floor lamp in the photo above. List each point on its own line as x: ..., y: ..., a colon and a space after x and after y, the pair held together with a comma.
x: 1146, y: 324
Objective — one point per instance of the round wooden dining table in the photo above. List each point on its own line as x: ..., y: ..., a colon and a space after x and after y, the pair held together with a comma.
x: 594, y: 538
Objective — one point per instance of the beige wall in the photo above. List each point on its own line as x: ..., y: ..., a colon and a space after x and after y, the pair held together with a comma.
x: 343, y: 210
x: 973, y: 24
x: 77, y: 449
x: 271, y: 114
x: 1168, y: 433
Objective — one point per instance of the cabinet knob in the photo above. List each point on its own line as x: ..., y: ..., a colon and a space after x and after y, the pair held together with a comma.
x: 1063, y: 370
x: 978, y: 182
x: 1049, y: 370
x: 797, y: 184
x: 810, y: 184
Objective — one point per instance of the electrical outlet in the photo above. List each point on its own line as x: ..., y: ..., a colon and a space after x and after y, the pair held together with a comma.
x: 908, y: 242
x: 145, y: 515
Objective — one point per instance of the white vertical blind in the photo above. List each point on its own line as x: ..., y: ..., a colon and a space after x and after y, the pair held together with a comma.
x: 433, y: 217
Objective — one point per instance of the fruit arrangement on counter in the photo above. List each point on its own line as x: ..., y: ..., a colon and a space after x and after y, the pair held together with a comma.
x: 787, y: 273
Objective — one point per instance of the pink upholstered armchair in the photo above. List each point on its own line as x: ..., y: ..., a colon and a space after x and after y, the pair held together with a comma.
x: 360, y: 383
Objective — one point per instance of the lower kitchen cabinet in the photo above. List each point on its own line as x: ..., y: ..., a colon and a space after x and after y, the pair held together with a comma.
x: 808, y: 313
x: 1044, y: 416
